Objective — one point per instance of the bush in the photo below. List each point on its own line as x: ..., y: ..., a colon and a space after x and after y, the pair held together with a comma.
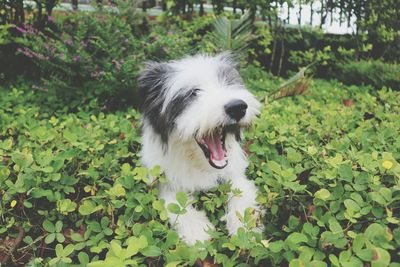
x: 86, y: 57
x: 83, y: 57
x: 326, y: 165
x: 375, y: 73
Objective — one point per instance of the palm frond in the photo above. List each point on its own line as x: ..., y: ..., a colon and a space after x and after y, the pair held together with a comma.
x: 232, y: 34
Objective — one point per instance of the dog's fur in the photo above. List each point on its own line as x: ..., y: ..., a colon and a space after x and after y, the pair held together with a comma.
x: 184, y: 102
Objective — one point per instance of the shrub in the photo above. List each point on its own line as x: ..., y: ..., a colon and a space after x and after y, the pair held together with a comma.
x: 86, y: 57
x: 375, y: 73
x: 326, y: 165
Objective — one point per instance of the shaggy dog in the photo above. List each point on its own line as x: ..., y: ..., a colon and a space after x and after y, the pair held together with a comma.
x: 193, y: 112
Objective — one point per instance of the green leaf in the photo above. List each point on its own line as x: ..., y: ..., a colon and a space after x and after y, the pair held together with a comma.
x: 48, y: 226
x: 322, y: 194
x: 276, y: 246
x: 68, y: 250
x: 66, y: 206
x: 58, y: 226
x: 23, y: 159
x: 151, y: 251
x: 83, y: 258
x: 182, y: 198
x: 386, y: 193
x: 296, y: 263
x: 365, y: 254
x: 380, y: 257
x: 28, y: 240
x: 116, y: 248
x: 50, y: 238
x: 335, y: 227
x: 273, y: 166
x: 135, y: 245
x: 60, y: 237
x: 293, y: 155
x: 334, y: 260
x: 351, y: 205
x: 344, y: 256
x: 117, y: 191
x: 373, y: 230
x: 59, y: 250
x: 294, y: 239
x: 88, y: 207
x: 316, y: 263
x: 346, y: 172
x: 174, y: 208
x: 173, y: 263
x: 374, y: 196
x: 157, y: 205
x: 358, y: 242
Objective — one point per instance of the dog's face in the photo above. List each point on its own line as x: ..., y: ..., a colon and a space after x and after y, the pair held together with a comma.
x: 197, y: 99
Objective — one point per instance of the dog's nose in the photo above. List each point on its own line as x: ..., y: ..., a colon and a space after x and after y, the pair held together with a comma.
x: 236, y: 109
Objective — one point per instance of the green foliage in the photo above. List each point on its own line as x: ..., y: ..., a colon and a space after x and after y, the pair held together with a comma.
x: 375, y: 73
x: 327, y: 170
x: 85, y: 57
x: 232, y: 34
x: 92, y: 57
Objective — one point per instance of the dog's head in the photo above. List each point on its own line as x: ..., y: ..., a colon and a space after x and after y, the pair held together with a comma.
x: 198, y: 99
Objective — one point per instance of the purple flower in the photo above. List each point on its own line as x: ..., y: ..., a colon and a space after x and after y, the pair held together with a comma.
x: 76, y: 58
x: 21, y: 29
x: 26, y: 52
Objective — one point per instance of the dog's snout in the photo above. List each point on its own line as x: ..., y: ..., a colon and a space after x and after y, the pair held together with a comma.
x: 236, y: 109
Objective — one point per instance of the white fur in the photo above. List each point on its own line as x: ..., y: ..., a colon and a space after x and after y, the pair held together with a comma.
x: 181, y: 159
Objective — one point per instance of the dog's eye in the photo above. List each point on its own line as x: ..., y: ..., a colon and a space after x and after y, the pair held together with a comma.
x: 195, y: 91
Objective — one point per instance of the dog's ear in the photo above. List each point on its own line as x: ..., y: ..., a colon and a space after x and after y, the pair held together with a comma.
x: 151, y: 82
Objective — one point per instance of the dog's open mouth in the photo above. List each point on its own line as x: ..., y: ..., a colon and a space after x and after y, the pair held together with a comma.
x: 213, y: 146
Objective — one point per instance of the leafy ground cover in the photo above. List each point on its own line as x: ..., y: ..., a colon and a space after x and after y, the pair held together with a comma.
x: 326, y: 165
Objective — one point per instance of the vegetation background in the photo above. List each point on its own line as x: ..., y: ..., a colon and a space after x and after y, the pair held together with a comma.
x: 324, y: 152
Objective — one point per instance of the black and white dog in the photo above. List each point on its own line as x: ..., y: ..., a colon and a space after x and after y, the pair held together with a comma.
x: 194, y: 109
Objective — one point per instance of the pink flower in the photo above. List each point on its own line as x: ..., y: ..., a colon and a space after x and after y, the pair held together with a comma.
x: 20, y: 29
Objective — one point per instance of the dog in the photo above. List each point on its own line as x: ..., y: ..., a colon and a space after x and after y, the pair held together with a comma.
x: 194, y: 110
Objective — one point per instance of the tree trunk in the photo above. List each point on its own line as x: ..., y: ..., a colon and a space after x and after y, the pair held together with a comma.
x: 282, y: 52
x: 144, y: 6
x: 39, y: 16
x: 322, y: 22
x: 299, y: 16
x: 19, y: 12
x: 74, y: 5
x: 201, y: 8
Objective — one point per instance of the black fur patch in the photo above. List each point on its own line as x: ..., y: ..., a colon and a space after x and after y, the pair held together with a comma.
x: 152, y: 90
x: 233, y: 129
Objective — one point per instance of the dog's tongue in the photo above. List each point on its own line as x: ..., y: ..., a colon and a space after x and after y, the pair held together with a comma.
x: 214, y: 144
